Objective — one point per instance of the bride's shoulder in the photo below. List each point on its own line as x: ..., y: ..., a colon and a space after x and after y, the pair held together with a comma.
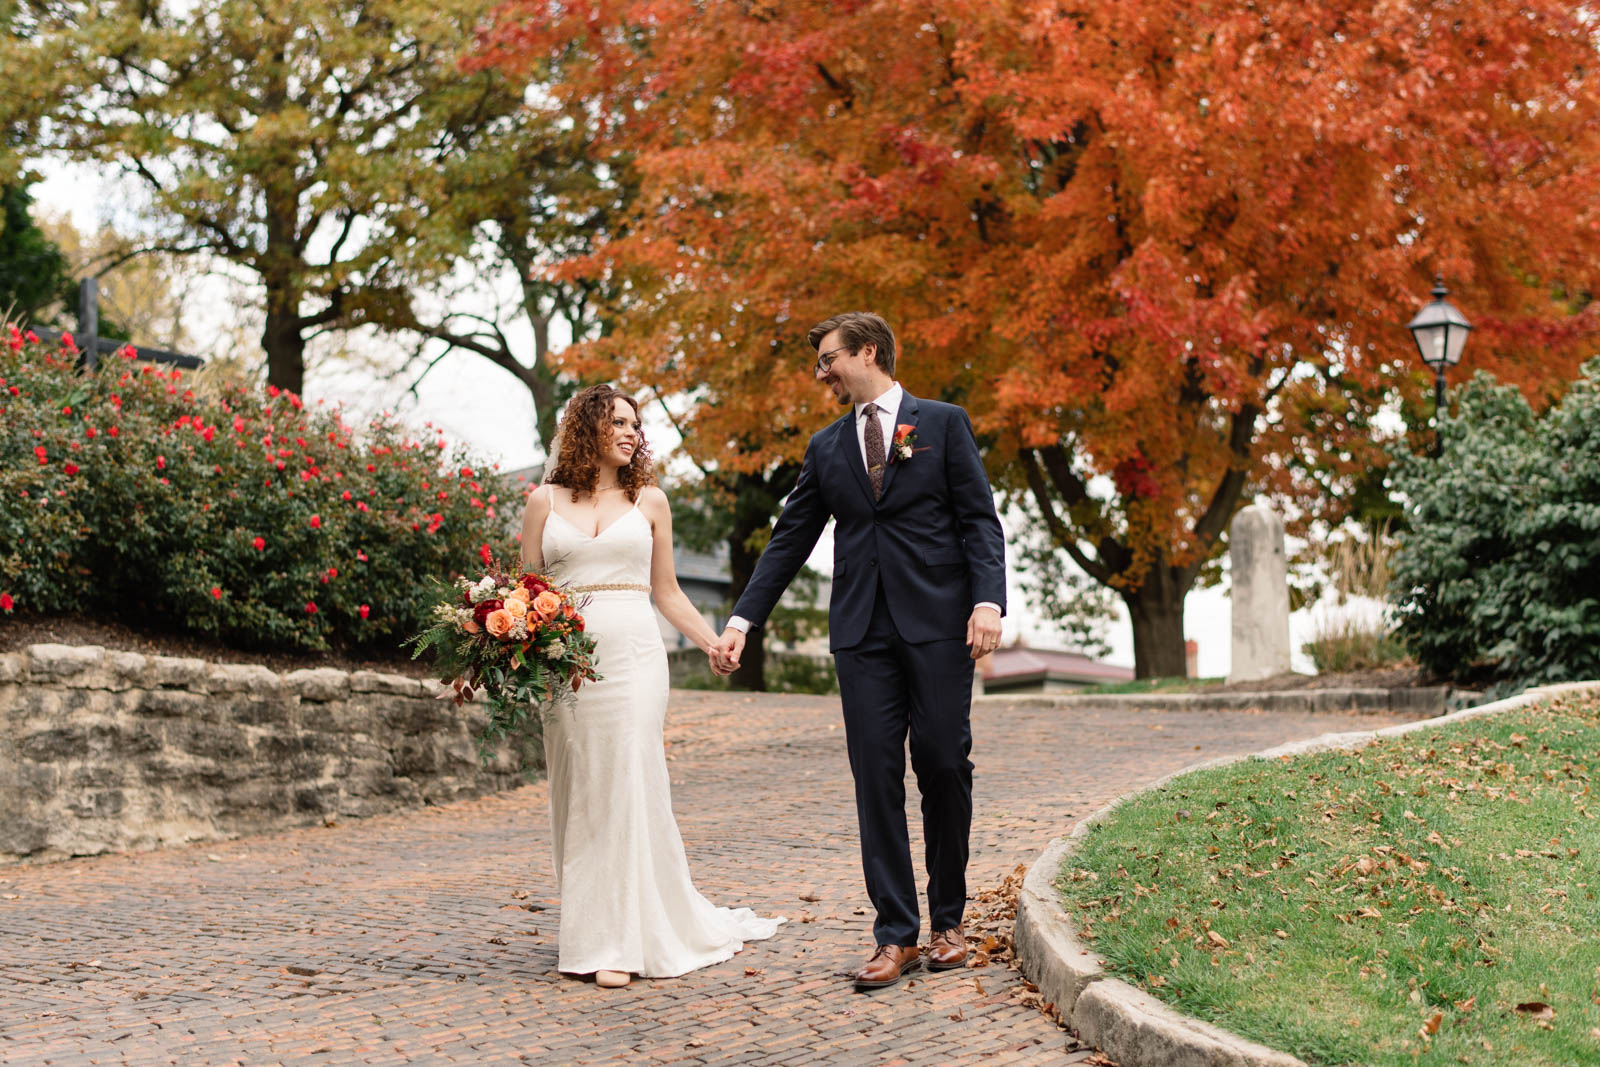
x: 652, y: 498
x: 541, y: 497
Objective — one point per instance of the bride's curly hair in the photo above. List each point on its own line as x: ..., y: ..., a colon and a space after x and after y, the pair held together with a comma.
x: 584, y: 433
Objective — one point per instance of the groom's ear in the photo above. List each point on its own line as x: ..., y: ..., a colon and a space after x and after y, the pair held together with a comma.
x: 869, y: 352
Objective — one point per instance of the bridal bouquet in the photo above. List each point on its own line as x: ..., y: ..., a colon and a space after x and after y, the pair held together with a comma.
x: 517, y: 638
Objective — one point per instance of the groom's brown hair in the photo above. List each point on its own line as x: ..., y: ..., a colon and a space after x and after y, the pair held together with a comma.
x: 857, y: 328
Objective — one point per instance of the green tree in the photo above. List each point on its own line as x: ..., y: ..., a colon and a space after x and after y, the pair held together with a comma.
x: 337, y: 153
x: 33, y: 271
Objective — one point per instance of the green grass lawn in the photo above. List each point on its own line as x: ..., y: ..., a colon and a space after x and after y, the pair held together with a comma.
x: 1153, y: 685
x: 1427, y: 899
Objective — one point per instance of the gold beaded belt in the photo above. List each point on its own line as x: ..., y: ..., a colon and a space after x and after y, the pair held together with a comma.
x: 610, y: 587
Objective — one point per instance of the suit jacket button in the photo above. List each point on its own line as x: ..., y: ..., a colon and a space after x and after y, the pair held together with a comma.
x: 874, y: 563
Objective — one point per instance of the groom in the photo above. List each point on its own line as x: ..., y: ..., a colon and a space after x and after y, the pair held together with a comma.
x: 918, y: 590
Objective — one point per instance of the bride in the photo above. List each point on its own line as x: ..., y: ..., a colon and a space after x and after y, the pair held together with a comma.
x: 600, y: 526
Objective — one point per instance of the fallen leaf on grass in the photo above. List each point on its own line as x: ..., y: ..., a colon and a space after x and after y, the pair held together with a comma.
x: 1467, y: 1005
x: 1431, y: 1027
x: 1216, y: 939
x: 1536, y: 1009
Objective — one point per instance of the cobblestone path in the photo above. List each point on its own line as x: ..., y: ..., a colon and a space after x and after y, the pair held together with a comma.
x: 429, y: 937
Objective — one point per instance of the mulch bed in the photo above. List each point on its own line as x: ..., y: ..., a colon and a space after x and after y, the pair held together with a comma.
x: 19, y: 631
x: 1386, y: 678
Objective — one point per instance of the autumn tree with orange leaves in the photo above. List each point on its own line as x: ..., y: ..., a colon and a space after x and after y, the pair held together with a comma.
x: 1161, y: 251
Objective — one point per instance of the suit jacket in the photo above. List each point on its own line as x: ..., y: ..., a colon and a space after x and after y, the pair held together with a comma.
x: 932, y: 539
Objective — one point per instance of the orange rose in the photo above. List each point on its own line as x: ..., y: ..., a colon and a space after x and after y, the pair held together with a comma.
x: 499, y: 622
x: 547, y: 603
x: 519, y: 593
x: 517, y: 607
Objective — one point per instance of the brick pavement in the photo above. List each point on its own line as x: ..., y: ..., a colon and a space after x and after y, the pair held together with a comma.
x: 429, y: 937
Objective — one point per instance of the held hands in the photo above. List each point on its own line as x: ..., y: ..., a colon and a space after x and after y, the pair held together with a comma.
x: 983, y: 631
x: 724, y: 653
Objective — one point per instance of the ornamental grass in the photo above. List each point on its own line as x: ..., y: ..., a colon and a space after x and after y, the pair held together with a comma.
x: 175, y: 501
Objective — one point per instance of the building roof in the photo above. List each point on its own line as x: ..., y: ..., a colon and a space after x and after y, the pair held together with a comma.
x: 1019, y: 661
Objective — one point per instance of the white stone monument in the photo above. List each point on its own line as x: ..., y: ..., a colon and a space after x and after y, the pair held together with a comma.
x: 1260, y: 595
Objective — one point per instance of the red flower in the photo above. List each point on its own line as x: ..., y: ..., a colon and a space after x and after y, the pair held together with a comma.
x: 38, y: 450
x: 71, y: 468
x: 161, y: 463
x: 311, y: 607
x: 361, y: 505
x: 260, y: 543
x: 112, y: 431
x: 482, y: 611
x: 345, y: 496
x: 6, y: 603
x: 483, y: 551
x: 362, y: 556
x: 316, y: 522
x: 216, y: 592
x: 364, y: 610
x: 534, y: 584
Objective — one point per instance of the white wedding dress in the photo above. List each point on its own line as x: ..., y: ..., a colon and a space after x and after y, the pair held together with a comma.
x: 627, y: 902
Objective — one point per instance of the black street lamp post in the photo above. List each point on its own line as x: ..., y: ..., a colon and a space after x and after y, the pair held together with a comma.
x: 1440, y: 331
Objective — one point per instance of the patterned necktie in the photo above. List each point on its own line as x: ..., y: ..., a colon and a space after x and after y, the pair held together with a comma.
x: 875, y: 456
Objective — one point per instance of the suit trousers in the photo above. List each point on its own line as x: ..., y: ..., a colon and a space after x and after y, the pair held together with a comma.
x: 892, y: 690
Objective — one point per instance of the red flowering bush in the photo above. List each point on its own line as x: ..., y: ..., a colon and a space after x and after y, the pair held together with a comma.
x: 163, y: 498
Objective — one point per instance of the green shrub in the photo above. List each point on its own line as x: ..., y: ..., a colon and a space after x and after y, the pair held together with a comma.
x: 1498, y: 578
x: 166, y: 499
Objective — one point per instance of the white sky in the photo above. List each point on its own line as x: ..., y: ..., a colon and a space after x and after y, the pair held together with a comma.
x: 474, y: 401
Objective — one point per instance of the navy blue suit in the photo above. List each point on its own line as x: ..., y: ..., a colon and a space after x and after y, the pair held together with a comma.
x: 907, y: 570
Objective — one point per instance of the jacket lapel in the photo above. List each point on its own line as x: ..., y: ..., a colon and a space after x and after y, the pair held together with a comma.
x: 906, y: 416
x: 848, y: 449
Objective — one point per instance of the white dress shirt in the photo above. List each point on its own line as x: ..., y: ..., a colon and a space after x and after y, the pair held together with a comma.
x: 888, y: 408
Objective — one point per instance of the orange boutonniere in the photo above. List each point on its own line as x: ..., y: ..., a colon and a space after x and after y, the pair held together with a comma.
x: 905, y: 443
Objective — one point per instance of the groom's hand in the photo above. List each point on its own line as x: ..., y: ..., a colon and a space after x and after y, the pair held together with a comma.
x: 983, y: 631
x: 726, y: 652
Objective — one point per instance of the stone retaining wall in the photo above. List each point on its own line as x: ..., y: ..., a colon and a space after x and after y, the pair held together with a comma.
x: 109, y: 751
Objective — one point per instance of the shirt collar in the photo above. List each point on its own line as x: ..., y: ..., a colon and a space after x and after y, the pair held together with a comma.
x: 889, y: 401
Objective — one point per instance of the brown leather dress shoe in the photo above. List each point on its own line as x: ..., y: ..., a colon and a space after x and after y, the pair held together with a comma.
x: 947, y: 950
x: 886, y: 966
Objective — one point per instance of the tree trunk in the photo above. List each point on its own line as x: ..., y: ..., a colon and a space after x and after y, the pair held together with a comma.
x: 285, y: 345
x: 752, y: 672
x: 1156, y: 609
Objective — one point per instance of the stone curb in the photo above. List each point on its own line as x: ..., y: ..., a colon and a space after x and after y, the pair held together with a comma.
x: 1428, y: 700
x: 1126, y: 1023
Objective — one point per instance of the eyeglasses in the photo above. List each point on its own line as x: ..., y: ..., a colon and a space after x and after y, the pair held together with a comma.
x: 825, y: 359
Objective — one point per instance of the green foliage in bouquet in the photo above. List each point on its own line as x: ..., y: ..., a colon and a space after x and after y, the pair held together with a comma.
x: 1495, y: 579
x: 180, y: 501
x: 519, y: 639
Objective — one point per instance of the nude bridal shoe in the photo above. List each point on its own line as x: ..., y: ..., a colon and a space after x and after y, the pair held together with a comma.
x: 612, y: 979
